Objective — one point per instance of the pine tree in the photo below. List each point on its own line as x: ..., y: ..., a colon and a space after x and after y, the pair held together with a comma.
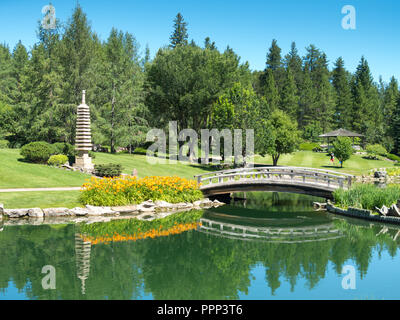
x: 8, y: 83
x: 180, y: 35
x: 120, y: 120
x: 77, y: 52
x: 307, y: 101
x: 396, y: 128
x: 367, y: 115
x: 293, y: 61
x: 343, y: 104
x: 271, y: 92
x: 274, y: 63
x: 289, y: 98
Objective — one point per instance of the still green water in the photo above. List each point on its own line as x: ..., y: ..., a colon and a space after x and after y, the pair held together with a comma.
x: 270, y: 246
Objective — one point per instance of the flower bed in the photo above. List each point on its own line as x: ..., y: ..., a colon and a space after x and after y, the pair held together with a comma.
x: 121, y: 191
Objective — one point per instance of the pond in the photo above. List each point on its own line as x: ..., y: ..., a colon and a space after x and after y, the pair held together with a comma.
x: 261, y: 246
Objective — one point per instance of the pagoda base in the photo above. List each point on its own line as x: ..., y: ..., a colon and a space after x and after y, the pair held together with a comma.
x: 84, y: 163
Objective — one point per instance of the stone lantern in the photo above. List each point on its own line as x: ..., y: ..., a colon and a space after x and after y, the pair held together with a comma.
x: 83, y: 137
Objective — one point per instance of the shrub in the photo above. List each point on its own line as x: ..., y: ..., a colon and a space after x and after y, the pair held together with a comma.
x: 376, y: 150
x: 57, y: 160
x: 121, y: 191
x: 367, y: 196
x: 140, y: 150
x: 393, y: 172
x: 4, y: 144
x: 108, y: 170
x: 37, y: 152
x: 308, y: 146
x: 393, y: 157
x: 318, y: 149
x: 66, y: 149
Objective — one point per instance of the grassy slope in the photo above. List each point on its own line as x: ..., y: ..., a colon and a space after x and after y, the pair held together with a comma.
x: 355, y: 165
x: 139, y: 162
x: 17, y: 174
x: 53, y: 199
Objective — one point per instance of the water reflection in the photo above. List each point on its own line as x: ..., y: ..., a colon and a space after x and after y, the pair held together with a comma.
x: 291, y: 245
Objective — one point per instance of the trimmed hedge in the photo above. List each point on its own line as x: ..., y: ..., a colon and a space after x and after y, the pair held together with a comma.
x: 393, y: 157
x: 4, y: 144
x: 108, y: 170
x: 37, y: 152
x: 308, y: 146
x: 57, y: 160
x: 140, y: 150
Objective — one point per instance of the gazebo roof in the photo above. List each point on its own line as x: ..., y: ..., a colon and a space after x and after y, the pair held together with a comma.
x: 341, y: 133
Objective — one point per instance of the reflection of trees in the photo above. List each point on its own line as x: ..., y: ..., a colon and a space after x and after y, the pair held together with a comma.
x: 190, y: 265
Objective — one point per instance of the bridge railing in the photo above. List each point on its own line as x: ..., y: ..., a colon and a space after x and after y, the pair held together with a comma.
x: 288, y: 174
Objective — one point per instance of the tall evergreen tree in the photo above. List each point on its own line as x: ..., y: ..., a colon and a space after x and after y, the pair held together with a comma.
x: 274, y: 63
x: 271, y: 92
x: 122, y: 110
x: 293, y: 61
x: 343, y: 104
x: 289, y: 99
x: 77, y: 53
x: 396, y: 128
x: 367, y: 115
x: 180, y: 36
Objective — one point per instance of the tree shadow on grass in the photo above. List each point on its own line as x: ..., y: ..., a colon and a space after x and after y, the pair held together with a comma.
x: 332, y: 167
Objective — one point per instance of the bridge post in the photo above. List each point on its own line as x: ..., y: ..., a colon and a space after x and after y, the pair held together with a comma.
x: 349, y: 181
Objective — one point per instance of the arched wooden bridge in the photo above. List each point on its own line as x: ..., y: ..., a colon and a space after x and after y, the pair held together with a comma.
x: 310, y: 181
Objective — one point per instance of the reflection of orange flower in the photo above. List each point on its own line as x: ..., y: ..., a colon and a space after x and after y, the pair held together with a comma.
x: 154, y: 233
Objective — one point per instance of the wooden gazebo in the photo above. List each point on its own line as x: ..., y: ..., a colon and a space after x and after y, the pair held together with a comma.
x: 341, y: 133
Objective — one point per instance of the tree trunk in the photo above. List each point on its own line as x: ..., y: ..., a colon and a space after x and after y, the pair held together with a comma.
x: 275, y: 160
x: 112, y: 142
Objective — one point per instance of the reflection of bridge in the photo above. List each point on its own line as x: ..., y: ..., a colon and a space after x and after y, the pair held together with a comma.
x: 284, y: 179
x: 271, y: 234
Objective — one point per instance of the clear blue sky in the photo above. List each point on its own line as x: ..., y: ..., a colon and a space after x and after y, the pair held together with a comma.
x: 246, y: 26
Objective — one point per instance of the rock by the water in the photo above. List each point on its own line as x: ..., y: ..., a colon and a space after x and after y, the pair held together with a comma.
x: 98, y: 211
x: 125, y: 209
x: 56, y: 212
x: 35, y: 213
x: 78, y: 211
x: 163, y: 204
x: 16, y: 213
x: 380, y: 174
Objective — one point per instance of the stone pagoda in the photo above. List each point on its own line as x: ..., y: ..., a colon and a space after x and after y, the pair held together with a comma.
x: 83, y: 137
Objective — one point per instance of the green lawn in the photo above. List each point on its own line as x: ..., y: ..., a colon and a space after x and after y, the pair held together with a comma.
x: 18, y: 174
x: 355, y: 165
x: 52, y: 199
x: 139, y: 162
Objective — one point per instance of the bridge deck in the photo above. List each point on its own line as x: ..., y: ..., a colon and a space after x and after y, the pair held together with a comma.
x: 307, y: 180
